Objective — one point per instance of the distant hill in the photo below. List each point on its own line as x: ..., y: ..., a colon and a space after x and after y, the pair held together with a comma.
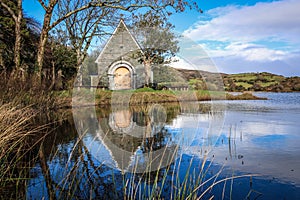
x: 263, y: 81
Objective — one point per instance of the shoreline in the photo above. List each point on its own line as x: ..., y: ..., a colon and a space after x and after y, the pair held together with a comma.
x: 103, y: 98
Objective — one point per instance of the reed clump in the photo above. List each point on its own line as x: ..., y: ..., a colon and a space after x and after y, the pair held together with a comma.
x: 22, y: 107
x: 25, y: 92
x: 14, y: 126
x: 16, y: 133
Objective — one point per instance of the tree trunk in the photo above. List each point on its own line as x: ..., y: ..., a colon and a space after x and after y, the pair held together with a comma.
x: 41, y: 48
x: 1, y: 59
x: 17, y: 17
x: 53, y: 77
x: 17, y: 51
x: 44, y: 38
x: 80, y: 58
x: 147, y: 66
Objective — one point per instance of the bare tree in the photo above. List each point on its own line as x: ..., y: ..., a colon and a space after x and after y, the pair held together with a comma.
x: 49, y: 7
x: 81, y: 28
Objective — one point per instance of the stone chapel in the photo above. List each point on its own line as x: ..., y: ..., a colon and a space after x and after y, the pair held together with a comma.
x: 119, y: 65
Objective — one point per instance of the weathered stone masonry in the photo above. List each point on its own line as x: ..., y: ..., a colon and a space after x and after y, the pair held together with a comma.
x: 119, y: 67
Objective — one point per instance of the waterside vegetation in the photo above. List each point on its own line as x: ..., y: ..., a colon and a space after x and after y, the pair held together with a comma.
x: 87, y: 97
x: 258, y: 82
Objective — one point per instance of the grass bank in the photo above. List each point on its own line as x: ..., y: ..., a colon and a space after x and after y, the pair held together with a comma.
x: 244, y: 96
x: 85, y: 97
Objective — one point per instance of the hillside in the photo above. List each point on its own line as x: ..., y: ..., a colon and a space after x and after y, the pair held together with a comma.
x: 243, y: 82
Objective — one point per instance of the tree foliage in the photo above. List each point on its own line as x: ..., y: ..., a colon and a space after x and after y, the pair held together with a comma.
x: 89, y: 67
x: 17, y: 54
x: 60, y: 67
x: 157, y: 39
x: 7, y: 36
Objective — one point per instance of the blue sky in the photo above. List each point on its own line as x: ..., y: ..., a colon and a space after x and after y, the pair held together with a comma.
x: 255, y: 36
x: 238, y: 36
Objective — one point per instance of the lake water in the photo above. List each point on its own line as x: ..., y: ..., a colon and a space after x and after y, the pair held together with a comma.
x: 244, y: 149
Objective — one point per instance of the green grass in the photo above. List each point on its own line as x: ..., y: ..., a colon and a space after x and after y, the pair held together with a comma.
x: 244, y: 84
x: 148, y: 95
x: 262, y: 84
x: 145, y: 89
x: 264, y: 80
x: 243, y: 77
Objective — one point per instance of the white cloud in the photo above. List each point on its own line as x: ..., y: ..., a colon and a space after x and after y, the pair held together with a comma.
x: 181, y: 63
x: 264, y: 36
x: 195, y: 63
x: 193, y: 56
x: 289, y: 67
x: 253, y: 52
x: 278, y: 20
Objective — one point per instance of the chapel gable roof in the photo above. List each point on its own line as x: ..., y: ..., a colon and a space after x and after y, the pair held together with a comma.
x: 119, y: 44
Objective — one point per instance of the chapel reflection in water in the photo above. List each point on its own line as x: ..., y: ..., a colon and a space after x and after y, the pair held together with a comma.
x: 135, y: 138
x: 130, y: 133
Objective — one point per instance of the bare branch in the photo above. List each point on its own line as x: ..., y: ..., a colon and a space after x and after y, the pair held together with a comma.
x: 107, y: 5
x: 11, y: 12
x: 70, y: 9
x: 43, y: 4
x: 70, y: 14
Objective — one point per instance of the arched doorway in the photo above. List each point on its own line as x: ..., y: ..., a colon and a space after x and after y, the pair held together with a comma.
x: 122, y: 78
x: 123, y: 118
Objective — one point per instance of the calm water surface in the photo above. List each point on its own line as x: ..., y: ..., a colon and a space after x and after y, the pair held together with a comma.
x: 265, y: 138
x: 95, y: 156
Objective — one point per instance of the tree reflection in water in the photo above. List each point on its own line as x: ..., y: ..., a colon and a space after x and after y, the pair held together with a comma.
x: 91, y: 164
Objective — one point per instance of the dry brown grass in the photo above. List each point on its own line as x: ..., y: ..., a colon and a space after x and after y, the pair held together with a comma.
x: 244, y: 96
x: 18, y: 137
x: 14, y: 127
